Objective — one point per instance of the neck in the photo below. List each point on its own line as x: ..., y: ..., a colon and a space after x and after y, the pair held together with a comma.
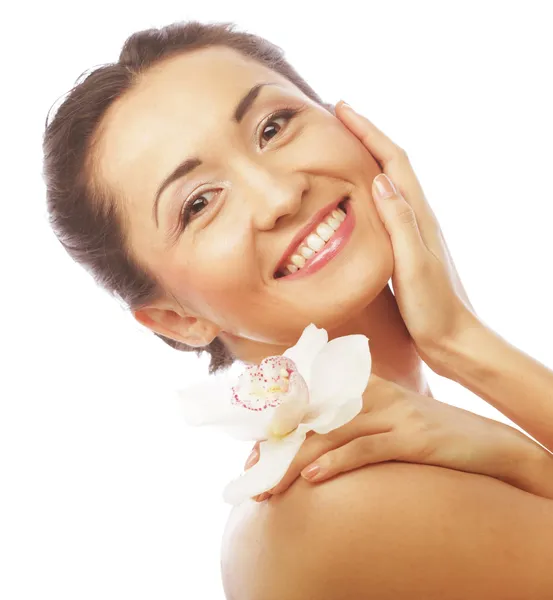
x: 393, y: 352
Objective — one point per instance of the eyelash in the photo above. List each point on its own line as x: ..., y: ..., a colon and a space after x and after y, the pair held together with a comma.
x: 287, y: 112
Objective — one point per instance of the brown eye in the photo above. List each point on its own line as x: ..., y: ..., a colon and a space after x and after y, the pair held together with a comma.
x: 197, y: 205
x: 271, y: 126
x: 194, y: 206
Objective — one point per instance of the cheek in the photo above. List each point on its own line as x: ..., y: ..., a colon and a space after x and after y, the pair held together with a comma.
x: 214, y: 277
x: 341, y: 153
x: 360, y: 160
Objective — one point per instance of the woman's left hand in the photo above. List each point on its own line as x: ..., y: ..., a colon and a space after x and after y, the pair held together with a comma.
x: 427, y: 287
x: 397, y: 424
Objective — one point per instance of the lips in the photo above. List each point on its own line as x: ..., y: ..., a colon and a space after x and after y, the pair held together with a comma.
x: 308, y: 228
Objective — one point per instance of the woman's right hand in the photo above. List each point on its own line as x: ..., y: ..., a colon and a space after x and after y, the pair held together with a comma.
x: 397, y: 424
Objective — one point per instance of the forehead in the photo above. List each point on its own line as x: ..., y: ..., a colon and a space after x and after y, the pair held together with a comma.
x: 174, y: 105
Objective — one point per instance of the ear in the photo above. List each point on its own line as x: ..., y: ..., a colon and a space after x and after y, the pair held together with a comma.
x: 190, y: 330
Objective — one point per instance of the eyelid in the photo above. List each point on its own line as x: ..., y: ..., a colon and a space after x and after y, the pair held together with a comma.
x: 274, y: 114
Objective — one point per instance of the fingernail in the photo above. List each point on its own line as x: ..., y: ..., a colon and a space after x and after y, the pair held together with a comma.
x: 262, y: 497
x: 383, y: 187
x: 312, y: 472
x: 252, y: 458
x: 346, y: 105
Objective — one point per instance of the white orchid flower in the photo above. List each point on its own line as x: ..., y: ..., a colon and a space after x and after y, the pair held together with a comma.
x: 314, y: 386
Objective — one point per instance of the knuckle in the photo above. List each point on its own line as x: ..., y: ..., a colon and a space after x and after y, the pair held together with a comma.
x: 357, y: 451
x: 402, y: 153
x: 415, y: 445
x: 406, y: 215
x: 366, y: 447
x: 326, y: 440
x: 353, y: 452
x: 414, y: 418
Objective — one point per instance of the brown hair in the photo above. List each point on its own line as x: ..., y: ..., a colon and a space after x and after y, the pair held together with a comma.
x: 83, y: 214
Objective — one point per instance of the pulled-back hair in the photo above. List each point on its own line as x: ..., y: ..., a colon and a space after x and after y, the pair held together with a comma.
x: 84, y: 215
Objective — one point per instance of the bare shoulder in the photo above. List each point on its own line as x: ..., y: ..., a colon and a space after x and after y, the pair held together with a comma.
x: 392, y: 531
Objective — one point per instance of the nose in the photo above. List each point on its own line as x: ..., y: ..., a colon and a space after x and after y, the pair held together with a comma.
x: 274, y: 196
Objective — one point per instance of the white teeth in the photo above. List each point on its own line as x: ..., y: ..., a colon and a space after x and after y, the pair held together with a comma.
x: 339, y: 214
x: 297, y: 260
x: 314, y: 242
x: 306, y: 252
x: 334, y: 223
x: 325, y: 231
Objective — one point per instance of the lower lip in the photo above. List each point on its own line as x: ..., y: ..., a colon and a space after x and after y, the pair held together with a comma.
x: 330, y: 250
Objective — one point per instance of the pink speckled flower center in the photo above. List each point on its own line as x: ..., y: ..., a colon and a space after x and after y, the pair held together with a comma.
x: 265, y: 385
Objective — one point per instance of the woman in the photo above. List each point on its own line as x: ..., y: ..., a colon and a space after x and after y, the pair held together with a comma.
x: 188, y: 178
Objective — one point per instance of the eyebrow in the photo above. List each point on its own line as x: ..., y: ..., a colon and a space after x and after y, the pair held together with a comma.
x: 188, y: 165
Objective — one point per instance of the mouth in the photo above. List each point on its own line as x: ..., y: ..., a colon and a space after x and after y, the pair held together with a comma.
x: 318, y: 242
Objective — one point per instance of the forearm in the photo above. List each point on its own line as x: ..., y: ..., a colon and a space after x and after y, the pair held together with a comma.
x: 526, y: 465
x: 510, y: 380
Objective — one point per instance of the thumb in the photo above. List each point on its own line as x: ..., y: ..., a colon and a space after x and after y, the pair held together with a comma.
x: 398, y: 217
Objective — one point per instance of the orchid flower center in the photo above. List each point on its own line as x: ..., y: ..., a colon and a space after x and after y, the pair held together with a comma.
x: 277, y: 385
x: 265, y: 385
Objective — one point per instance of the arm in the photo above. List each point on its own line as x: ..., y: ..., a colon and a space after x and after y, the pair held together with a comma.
x: 510, y: 380
x: 419, y: 429
x: 403, y: 532
x: 433, y: 302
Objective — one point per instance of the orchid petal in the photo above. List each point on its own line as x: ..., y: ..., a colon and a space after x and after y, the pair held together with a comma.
x: 340, y: 370
x: 291, y: 411
x: 209, y: 404
x: 275, y: 457
x: 334, y: 418
x: 311, y: 342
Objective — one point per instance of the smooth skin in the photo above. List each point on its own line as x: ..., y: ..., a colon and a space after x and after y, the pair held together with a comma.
x: 392, y: 531
x: 439, y: 315
x: 395, y: 530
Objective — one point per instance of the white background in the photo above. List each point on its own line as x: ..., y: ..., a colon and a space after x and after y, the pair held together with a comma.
x: 105, y: 492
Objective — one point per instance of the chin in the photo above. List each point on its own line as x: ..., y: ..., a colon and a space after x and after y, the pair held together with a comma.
x: 357, y: 300
x: 335, y: 302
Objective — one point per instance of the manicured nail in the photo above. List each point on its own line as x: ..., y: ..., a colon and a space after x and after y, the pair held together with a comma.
x: 312, y: 472
x: 383, y: 187
x: 252, y: 458
x: 346, y: 105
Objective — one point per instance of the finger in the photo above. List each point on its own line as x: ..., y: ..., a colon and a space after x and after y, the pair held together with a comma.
x: 313, y: 447
x: 253, y: 457
x: 262, y: 497
x: 401, y: 223
x: 394, y: 162
x: 362, y: 451
x: 318, y: 445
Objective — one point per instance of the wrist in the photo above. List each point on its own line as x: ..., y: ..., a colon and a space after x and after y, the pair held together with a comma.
x: 510, y: 380
x: 455, y: 355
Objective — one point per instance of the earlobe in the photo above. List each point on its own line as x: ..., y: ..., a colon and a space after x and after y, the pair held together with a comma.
x: 189, y: 330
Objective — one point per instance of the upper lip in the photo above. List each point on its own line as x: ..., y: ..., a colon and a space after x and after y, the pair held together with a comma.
x: 306, y: 230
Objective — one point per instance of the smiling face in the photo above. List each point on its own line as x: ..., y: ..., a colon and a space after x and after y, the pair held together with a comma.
x: 221, y: 228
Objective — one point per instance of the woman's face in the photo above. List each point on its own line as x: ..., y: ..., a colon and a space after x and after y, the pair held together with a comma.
x: 259, y: 182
